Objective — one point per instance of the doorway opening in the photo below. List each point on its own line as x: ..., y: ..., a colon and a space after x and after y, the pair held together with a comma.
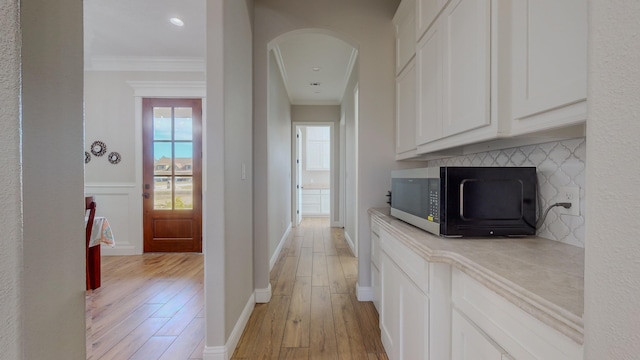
x: 314, y: 164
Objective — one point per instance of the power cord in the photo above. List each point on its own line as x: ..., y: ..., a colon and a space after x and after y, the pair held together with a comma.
x: 565, y: 205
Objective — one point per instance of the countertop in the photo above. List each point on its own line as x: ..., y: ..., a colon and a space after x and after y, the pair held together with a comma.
x: 544, y: 278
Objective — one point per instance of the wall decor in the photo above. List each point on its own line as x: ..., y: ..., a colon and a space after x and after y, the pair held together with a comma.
x: 87, y: 157
x: 114, y: 157
x: 98, y: 148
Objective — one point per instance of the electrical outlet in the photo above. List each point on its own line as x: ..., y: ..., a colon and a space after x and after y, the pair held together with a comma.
x: 570, y: 194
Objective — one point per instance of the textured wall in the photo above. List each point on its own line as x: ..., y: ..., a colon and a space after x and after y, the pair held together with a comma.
x: 10, y: 192
x: 53, y: 212
x: 612, y: 251
x: 558, y: 164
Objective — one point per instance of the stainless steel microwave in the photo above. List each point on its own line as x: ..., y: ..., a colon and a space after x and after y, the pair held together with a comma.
x: 467, y: 201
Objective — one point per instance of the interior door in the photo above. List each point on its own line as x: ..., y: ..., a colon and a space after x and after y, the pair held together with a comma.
x: 298, y: 176
x: 172, y: 175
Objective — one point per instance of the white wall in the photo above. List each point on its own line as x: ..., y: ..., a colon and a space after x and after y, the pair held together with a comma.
x: 53, y: 291
x: 113, y: 115
x: 227, y: 197
x: 110, y: 117
x: 612, y: 249
x: 367, y: 24
x: 347, y: 108
x: 279, y: 158
x: 10, y: 211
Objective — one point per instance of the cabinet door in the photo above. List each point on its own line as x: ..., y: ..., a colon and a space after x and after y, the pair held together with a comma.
x: 375, y: 284
x: 549, y: 58
x: 325, y: 202
x: 406, y: 109
x: 405, y: 22
x: 427, y: 12
x: 429, y: 77
x: 466, y: 65
x: 415, y: 322
x: 390, y: 279
x: 469, y: 343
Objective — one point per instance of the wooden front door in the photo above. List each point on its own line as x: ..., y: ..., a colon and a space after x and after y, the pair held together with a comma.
x: 172, y: 172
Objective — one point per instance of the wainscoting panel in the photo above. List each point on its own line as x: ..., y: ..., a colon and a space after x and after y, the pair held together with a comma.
x: 121, y: 204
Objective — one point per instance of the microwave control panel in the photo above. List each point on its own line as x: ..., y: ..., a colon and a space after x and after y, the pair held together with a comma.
x: 433, y: 201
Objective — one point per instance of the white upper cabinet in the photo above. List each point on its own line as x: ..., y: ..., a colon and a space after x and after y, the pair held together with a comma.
x: 405, y: 23
x: 429, y: 68
x: 549, y: 64
x: 490, y: 74
x: 427, y: 12
x: 454, y: 78
x: 406, y: 111
x: 466, y: 65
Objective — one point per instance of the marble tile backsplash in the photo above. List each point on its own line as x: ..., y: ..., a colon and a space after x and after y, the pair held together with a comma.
x: 559, y: 164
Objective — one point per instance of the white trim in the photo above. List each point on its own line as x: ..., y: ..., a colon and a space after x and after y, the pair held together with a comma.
x: 364, y: 293
x: 347, y: 74
x: 276, y: 253
x: 215, y: 353
x: 225, y: 352
x: 263, y: 296
x: 283, y: 71
x: 144, y: 63
x: 333, y: 205
x: 349, y: 241
x: 343, y: 169
x: 111, y: 198
x: 170, y: 89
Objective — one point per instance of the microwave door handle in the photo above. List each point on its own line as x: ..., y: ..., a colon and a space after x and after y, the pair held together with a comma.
x: 461, y: 207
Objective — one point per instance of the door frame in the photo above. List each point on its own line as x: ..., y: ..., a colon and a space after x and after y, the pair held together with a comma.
x: 334, y: 204
x: 162, y: 89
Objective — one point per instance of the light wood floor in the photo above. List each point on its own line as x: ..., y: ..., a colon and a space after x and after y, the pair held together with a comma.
x: 151, y: 306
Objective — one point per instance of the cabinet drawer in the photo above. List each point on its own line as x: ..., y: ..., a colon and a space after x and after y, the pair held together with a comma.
x: 310, y: 192
x: 416, y: 268
x: 519, y: 333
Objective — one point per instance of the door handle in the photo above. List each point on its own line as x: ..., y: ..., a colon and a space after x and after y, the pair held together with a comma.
x: 146, y: 195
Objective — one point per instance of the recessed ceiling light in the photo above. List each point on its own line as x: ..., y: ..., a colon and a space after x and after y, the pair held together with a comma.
x: 315, y: 68
x: 176, y: 22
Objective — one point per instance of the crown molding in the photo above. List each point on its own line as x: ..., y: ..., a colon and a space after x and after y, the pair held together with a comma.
x: 140, y: 63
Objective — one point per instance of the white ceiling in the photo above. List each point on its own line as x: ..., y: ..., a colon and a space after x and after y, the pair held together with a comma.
x: 129, y: 31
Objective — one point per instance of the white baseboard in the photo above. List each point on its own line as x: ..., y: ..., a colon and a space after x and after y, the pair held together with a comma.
x: 276, y: 253
x: 263, y: 296
x: 350, y: 242
x: 225, y: 352
x: 364, y: 293
x: 215, y: 353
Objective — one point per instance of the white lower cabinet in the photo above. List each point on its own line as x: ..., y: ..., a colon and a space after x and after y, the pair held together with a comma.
x: 470, y: 343
x: 491, y: 320
x: 404, y: 320
x: 315, y: 202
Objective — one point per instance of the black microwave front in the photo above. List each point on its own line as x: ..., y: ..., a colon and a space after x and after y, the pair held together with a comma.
x: 467, y: 201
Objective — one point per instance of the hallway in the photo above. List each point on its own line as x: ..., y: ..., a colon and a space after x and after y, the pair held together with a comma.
x: 151, y: 306
x: 313, y: 313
